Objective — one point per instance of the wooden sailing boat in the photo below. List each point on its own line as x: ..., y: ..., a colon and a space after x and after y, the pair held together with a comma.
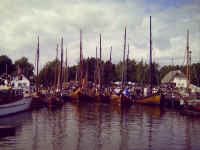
x: 192, y: 99
x: 85, y: 94
x: 122, y: 98
x: 100, y: 96
x: 53, y: 100
x: 75, y: 94
x: 150, y: 98
x: 65, y: 93
x: 37, y: 97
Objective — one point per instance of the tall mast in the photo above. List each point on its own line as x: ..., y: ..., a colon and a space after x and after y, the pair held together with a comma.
x: 96, y: 71
x: 81, y: 61
x: 100, y: 67
x: 127, y: 64
x: 123, y: 64
x: 86, y: 76
x: 38, y: 53
x: 56, y: 70
x: 111, y: 54
x: 66, y: 70
x: 61, y: 64
x: 151, y: 74
x: 188, y: 62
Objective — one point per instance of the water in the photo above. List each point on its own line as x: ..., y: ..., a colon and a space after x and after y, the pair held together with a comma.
x: 102, y: 127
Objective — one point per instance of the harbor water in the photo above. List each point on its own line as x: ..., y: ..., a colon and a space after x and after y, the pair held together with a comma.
x: 97, y: 126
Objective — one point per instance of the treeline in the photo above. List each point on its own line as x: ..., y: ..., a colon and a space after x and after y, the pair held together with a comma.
x: 7, y: 66
x: 136, y: 71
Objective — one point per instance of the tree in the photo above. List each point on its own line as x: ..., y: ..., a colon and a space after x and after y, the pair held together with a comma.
x: 48, y: 74
x: 109, y: 73
x: 27, y: 68
x: 156, y: 74
x: 72, y: 72
x: 5, y: 65
x: 131, y: 71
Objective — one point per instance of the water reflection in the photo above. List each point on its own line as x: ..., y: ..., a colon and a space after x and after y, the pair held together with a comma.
x: 78, y: 126
x: 15, y: 134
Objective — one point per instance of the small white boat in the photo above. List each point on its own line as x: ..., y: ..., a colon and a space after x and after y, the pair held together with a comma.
x: 16, y: 106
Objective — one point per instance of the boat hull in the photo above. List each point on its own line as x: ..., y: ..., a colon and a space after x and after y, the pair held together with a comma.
x: 115, y: 99
x: 74, y: 95
x: 17, y: 106
x: 152, y: 99
x: 121, y: 100
x: 85, y: 98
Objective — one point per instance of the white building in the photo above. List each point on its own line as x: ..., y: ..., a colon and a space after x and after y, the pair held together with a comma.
x: 179, y: 79
x: 20, y: 82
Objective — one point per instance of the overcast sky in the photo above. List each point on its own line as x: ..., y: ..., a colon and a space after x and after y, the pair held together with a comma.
x: 23, y: 20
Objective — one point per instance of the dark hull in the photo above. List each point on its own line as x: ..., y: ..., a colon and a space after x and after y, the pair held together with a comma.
x: 53, y: 101
x: 125, y: 100
x: 102, y: 98
x: 82, y: 97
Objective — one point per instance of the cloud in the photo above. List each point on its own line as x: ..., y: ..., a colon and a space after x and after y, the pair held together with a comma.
x: 22, y: 21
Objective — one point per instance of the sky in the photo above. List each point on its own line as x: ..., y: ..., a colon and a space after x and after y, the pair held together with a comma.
x: 22, y: 21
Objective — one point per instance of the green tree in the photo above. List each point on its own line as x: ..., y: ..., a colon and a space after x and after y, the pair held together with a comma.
x: 109, y: 73
x: 72, y: 72
x: 6, y: 65
x: 49, y: 73
x: 27, y: 68
x: 131, y: 71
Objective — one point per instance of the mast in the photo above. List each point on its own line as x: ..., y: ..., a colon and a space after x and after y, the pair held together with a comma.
x: 6, y: 70
x: 151, y: 74
x: 66, y: 70
x: 37, y: 63
x: 100, y: 67
x: 188, y: 62
x: 61, y: 65
x: 56, y: 70
x: 86, y: 76
x: 127, y: 64
x: 81, y: 61
x: 123, y: 64
x: 96, y: 71
x: 111, y: 54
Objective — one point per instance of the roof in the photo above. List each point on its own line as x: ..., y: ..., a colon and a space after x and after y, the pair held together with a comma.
x: 171, y: 75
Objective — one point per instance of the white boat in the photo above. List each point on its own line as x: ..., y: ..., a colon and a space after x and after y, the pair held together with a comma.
x: 15, y: 98
x: 16, y: 106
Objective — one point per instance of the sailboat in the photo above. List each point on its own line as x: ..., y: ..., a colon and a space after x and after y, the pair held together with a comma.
x: 86, y: 93
x: 122, y: 98
x: 192, y: 100
x: 151, y: 98
x: 76, y: 94
x: 37, y: 97
x: 53, y: 100
x: 100, y: 96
